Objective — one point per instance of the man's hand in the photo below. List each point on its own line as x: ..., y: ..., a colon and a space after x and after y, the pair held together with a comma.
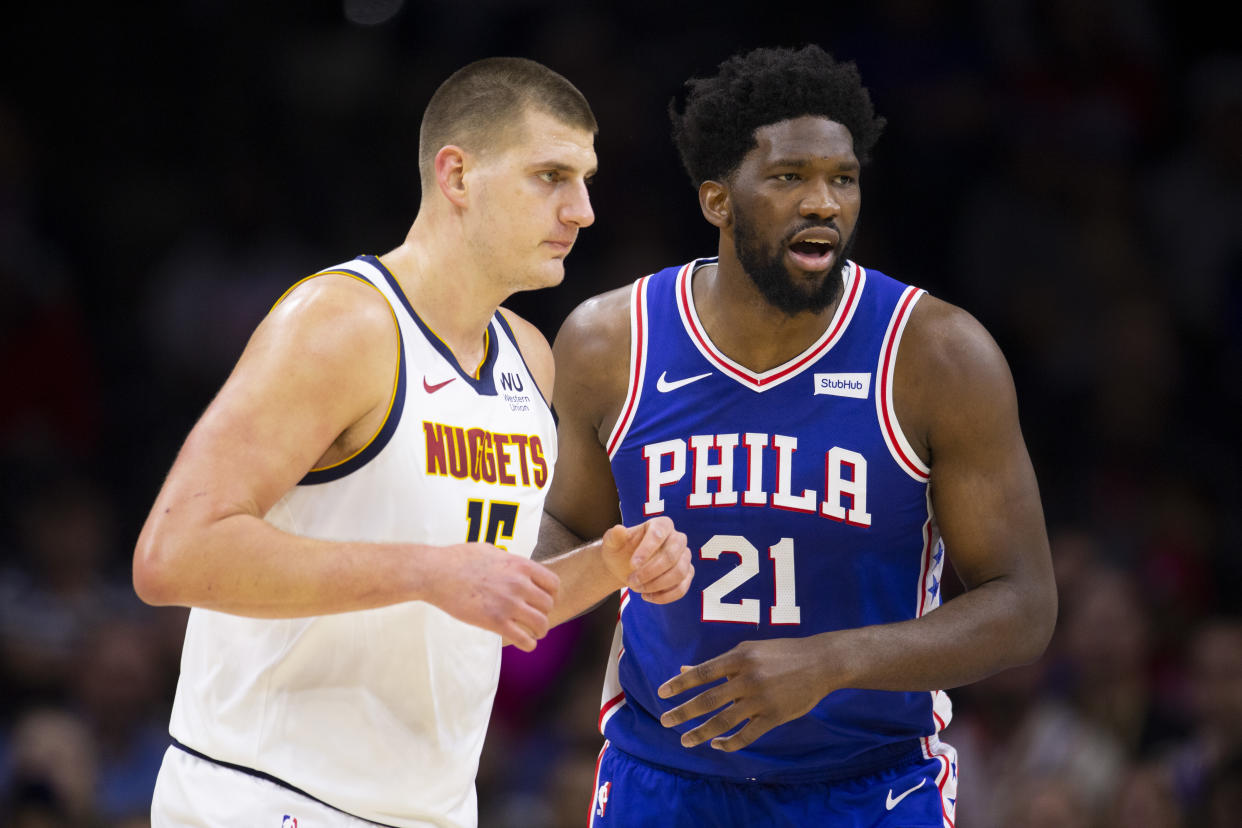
x: 766, y: 682
x: 651, y: 559
x: 496, y: 590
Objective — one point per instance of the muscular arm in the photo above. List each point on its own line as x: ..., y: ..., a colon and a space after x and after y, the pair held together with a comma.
x: 592, y: 359
x: 592, y: 352
x: 311, y: 387
x: 956, y: 402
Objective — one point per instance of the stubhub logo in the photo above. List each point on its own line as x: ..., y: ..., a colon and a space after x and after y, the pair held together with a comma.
x: 844, y: 385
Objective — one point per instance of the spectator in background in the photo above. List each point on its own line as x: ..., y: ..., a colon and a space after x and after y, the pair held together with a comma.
x: 1146, y: 798
x: 119, y: 695
x: 1048, y: 800
x: 1106, y: 677
x: 1059, y: 735
x: 51, y: 771
x: 1206, y: 768
x: 60, y: 584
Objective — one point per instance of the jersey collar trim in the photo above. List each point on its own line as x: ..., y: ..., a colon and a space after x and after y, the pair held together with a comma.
x: 485, y: 383
x: 855, y: 279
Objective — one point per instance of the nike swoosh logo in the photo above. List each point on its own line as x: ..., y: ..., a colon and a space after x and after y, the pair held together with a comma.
x: 890, y: 803
x: 664, y: 386
x: 431, y: 389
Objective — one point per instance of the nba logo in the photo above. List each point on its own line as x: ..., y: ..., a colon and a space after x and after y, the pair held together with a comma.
x: 601, y: 796
x: 289, y: 822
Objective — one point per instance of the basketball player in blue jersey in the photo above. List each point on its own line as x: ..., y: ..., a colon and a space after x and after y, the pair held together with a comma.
x: 825, y: 435
x: 352, y: 518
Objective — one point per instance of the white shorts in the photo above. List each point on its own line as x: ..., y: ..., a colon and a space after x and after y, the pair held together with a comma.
x: 190, y: 791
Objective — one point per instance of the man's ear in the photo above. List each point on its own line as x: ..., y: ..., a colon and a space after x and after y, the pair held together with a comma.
x: 451, y: 174
x: 715, y: 203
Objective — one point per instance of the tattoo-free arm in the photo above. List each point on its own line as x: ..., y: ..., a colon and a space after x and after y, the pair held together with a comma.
x: 592, y: 359
x: 956, y: 402
x: 308, y: 387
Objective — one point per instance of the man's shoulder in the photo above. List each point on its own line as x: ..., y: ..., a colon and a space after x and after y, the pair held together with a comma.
x: 932, y: 321
x: 950, y: 359
x: 343, y: 288
x: 945, y: 331
x: 875, y: 277
x: 335, y: 308
x: 602, y: 308
x: 602, y: 322
x: 614, y: 306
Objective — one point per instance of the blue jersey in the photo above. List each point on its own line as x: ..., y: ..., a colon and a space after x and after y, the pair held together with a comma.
x: 805, y: 508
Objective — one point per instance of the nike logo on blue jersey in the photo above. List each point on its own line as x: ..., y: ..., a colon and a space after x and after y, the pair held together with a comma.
x: 890, y: 803
x: 664, y: 386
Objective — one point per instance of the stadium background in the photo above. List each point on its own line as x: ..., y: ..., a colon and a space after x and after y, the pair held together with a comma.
x: 1068, y: 171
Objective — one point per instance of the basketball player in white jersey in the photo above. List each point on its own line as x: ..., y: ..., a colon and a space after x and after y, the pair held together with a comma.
x: 352, y: 518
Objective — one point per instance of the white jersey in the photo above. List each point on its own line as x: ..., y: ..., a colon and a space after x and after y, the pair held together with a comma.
x: 382, y: 713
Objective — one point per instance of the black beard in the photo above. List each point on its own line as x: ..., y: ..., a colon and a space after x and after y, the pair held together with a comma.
x: 766, y: 268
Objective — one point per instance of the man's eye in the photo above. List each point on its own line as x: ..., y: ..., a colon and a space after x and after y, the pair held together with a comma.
x: 550, y: 176
x: 787, y: 177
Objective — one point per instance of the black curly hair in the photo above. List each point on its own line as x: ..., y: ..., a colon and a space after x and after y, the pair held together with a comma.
x: 765, y: 86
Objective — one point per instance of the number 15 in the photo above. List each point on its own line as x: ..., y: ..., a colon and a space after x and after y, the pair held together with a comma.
x: 501, y: 520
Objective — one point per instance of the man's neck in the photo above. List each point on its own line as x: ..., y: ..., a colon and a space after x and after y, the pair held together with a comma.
x: 747, y: 328
x: 453, y: 299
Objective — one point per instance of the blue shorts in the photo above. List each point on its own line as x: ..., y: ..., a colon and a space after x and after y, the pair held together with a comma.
x: 630, y: 794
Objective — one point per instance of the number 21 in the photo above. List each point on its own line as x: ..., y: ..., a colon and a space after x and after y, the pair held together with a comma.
x: 785, y: 610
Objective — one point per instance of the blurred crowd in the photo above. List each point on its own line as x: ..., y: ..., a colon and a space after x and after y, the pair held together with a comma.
x: 1068, y: 171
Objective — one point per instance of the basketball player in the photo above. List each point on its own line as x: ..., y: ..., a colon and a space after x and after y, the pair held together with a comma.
x: 352, y: 519
x: 824, y: 435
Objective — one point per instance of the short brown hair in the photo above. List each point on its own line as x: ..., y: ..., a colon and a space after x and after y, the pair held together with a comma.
x: 479, y: 104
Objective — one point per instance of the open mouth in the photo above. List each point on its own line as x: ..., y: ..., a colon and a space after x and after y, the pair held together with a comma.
x: 812, y: 254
